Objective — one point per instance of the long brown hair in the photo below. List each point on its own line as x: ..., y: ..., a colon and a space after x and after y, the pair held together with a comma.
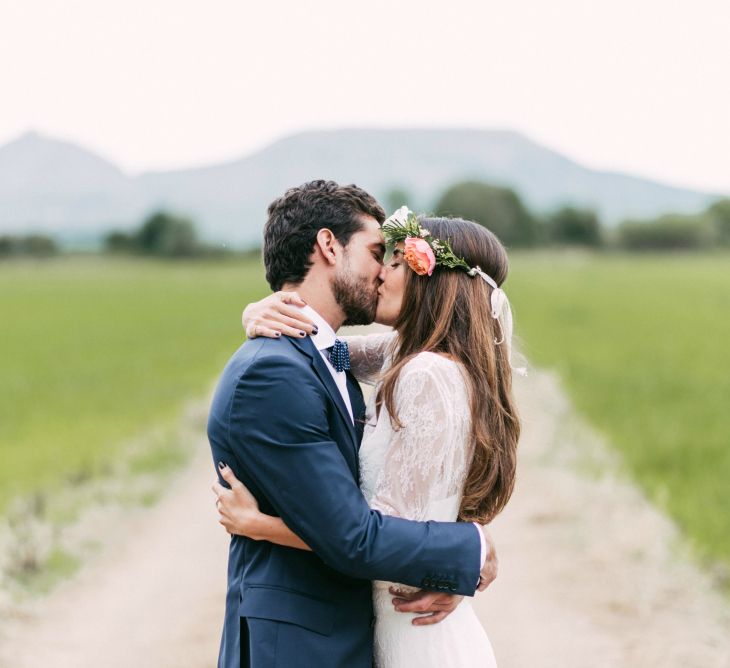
x: 449, y: 312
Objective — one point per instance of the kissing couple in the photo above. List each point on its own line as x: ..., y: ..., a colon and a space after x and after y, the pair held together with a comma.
x: 330, y: 503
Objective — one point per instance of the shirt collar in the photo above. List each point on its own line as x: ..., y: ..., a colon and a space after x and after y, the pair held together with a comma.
x: 325, y: 337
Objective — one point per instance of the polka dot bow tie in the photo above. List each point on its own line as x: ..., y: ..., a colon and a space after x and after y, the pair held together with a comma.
x: 339, y: 355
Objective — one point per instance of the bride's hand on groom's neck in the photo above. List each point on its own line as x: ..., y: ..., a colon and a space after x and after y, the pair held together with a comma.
x: 277, y: 315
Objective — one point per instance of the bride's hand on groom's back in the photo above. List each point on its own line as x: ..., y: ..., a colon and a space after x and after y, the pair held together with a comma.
x: 238, y: 510
x: 277, y: 315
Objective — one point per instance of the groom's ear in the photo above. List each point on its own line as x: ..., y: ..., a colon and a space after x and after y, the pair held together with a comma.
x: 327, y: 246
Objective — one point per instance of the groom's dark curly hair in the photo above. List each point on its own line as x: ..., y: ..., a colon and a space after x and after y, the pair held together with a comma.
x: 295, y: 218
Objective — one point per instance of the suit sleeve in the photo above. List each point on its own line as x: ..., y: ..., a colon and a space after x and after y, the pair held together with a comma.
x: 279, y: 430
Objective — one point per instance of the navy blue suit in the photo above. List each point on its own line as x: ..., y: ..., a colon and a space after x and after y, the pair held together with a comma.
x: 279, y: 421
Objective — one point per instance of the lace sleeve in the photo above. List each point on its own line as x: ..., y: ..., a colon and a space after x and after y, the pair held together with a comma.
x: 427, y: 458
x: 368, y: 354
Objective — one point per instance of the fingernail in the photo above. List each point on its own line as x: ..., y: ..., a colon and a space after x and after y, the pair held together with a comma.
x: 315, y: 331
x: 222, y: 465
x: 302, y: 334
x: 277, y: 335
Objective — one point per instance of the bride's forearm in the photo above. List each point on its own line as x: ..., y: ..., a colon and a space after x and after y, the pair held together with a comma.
x: 240, y: 515
x: 273, y: 530
x: 368, y: 353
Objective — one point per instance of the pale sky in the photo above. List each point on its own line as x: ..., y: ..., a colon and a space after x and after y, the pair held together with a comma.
x: 633, y: 85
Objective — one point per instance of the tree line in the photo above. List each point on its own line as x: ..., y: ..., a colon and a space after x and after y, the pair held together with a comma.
x: 168, y: 235
x: 162, y: 234
x: 29, y: 245
x: 503, y: 212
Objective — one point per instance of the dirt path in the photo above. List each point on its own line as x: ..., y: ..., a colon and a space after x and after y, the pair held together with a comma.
x: 591, y: 576
x: 152, y: 599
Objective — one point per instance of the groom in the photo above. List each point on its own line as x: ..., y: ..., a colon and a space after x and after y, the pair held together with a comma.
x: 287, y: 421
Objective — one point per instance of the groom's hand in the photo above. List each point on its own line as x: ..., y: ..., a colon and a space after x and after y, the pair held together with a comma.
x: 489, y: 570
x: 434, y: 606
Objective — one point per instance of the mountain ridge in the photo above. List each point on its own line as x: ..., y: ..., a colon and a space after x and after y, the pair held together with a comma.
x: 61, y: 188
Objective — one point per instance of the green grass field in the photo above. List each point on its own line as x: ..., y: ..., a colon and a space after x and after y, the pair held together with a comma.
x: 95, y: 351
x: 642, y: 345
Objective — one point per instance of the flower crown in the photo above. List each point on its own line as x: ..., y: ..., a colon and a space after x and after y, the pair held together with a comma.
x: 423, y: 252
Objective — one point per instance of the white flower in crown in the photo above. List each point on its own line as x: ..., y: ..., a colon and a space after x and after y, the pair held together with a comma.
x: 424, y: 232
x: 400, y: 217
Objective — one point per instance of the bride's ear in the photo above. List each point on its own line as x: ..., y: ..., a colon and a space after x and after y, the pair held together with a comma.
x: 327, y: 246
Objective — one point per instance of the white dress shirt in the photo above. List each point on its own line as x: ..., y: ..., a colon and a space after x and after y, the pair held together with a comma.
x: 323, y: 339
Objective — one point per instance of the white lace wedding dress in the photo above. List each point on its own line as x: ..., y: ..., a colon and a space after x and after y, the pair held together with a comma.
x: 418, y: 473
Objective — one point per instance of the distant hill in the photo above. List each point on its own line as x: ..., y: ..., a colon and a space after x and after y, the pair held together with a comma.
x: 54, y: 186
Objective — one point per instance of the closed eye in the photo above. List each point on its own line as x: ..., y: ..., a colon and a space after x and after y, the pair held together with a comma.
x: 395, y: 261
x: 378, y: 251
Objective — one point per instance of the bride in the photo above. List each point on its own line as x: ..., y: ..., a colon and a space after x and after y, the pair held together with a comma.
x: 441, y: 435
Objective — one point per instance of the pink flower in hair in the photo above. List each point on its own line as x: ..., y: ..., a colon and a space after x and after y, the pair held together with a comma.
x: 419, y: 256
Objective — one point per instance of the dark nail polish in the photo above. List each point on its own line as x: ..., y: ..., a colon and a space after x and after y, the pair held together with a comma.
x: 315, y: 331
x: 221, y: 465
x: 302, y: 334
x: 277, y: 335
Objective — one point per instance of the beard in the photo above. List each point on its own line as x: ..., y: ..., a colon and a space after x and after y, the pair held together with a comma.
x: 356, y: 296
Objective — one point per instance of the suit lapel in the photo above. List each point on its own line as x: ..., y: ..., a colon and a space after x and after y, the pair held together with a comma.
x: 319, y: 366
x: 358, y: 406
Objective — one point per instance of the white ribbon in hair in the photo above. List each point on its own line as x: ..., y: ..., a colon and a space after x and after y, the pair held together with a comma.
x: 502, y: 313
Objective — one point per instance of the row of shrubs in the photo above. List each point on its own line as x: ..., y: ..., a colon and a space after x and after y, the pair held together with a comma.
x: 167, y: 235
x: 502, y: 210
x: 31, y: 245
x: 705, y: 230
x: 163, y: 235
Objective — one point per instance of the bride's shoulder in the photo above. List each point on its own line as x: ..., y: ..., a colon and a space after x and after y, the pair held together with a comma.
x: 431, y: 378
x: 429, y: 362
